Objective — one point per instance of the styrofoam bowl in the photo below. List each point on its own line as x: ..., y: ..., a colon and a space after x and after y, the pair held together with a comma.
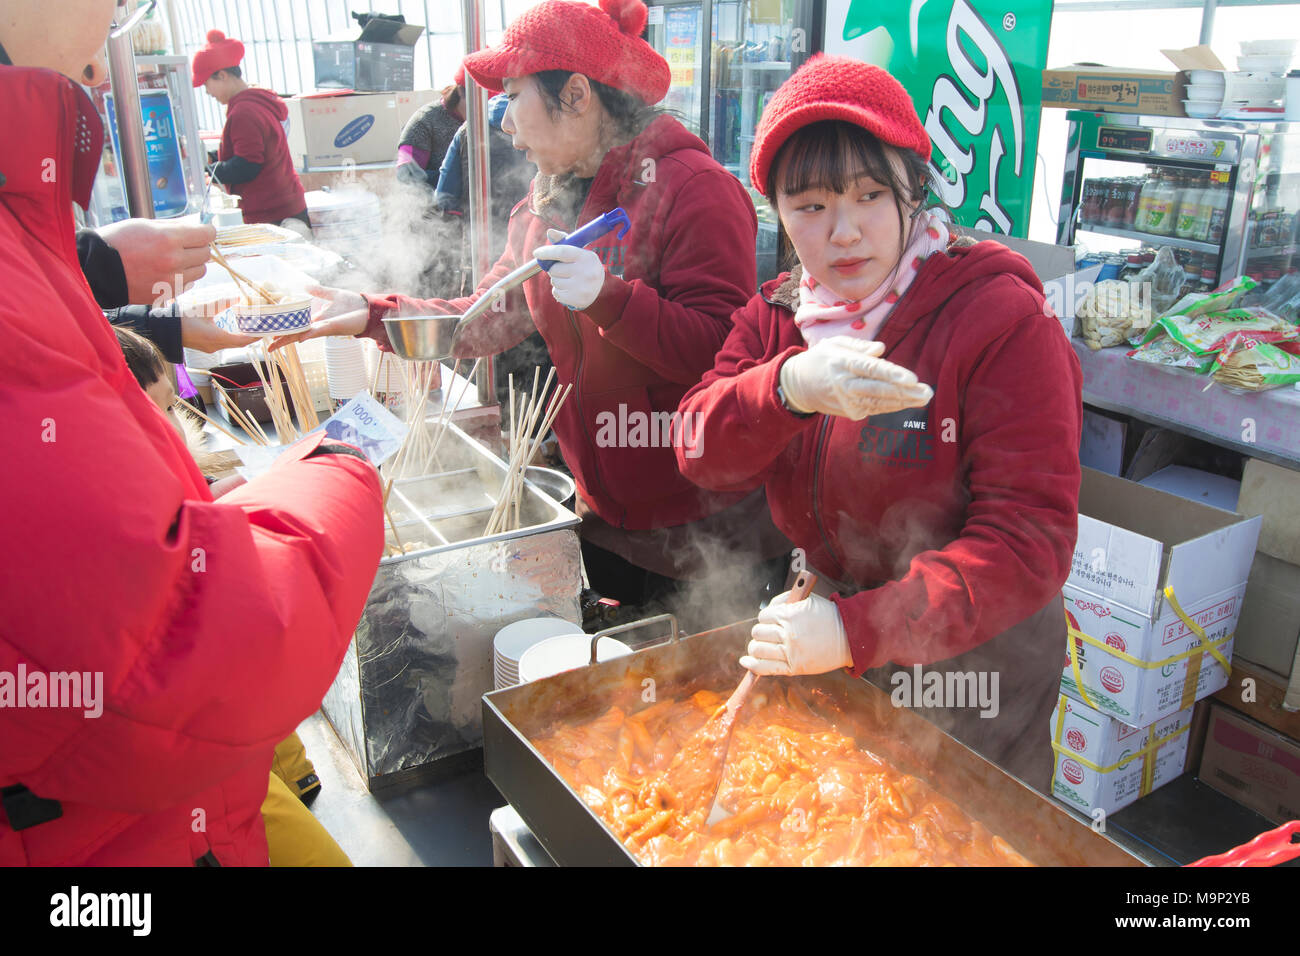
x: 1214, y: 77
x: 1202, y: 109
x: 565, y: 653
x: 1268, y: 47
x: 1205, y: 91
x: 1264, y: 64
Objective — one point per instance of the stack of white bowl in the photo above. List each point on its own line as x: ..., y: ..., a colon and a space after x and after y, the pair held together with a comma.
x: 514, y: 640
x: 345, y: 367
x: 565, y: 653
x: 1266, y: 56
x: 1204, y: 93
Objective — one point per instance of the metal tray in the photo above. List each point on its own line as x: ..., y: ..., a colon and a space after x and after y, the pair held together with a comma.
x: 1045, y: 832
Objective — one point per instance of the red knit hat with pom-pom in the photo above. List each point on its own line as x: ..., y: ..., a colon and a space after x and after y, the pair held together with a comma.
x: 836, y: 88
x: 221, y: 53
x: 603, y: 43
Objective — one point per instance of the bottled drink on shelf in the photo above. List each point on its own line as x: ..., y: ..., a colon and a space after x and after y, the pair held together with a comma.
x: 1193, y: 220
x: 1217, y: 200
x: 1115, y: 204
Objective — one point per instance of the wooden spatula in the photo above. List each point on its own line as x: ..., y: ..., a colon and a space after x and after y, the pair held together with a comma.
x: 695, y: 773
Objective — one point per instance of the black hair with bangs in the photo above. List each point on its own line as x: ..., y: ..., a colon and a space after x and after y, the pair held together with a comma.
x: 833, y: 154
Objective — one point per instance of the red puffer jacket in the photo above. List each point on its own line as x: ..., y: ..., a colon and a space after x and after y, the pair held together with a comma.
x: 960, y: 518
x: 671, y: 286
x: 212, y: 628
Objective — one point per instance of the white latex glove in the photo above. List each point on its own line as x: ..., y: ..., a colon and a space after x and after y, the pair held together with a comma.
x: 843, y: 375
x: 806, y: 637
x: 578, y: 274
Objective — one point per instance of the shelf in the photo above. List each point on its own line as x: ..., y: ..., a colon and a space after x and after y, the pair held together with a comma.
x: 1257, y: 251
x: 1175, y: 398
x: 1151, y: 239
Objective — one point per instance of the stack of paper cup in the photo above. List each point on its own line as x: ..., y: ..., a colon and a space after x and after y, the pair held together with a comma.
x: 345, y: 367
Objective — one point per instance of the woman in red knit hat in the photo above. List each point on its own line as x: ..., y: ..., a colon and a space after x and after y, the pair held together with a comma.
x: 632, y: 322
x: 254, y: 161
x: 914, y: 412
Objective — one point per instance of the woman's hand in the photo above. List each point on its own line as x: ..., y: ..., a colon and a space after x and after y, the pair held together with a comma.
x: 201, y: 333
x: 844, y: 376
x: 344, y: 313
x: 804, y: 637
x: 578, y: 274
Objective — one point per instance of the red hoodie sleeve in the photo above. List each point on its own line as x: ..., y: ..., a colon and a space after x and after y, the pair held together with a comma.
x: 742, y: 425
x: 707, y: 272
x: 1021, y: 423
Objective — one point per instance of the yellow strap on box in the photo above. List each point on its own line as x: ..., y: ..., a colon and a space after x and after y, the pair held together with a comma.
x: 1195, y: 654
x: 1152, y: 745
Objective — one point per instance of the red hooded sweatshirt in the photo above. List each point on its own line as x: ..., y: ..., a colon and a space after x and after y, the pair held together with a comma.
x: 957, y: 520
x: 255, y: 130
x: 671, y: 286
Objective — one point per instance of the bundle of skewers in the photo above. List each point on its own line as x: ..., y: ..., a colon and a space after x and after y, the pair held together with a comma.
x: 284, y: 386
x: 531, y: 417
x: 418, y: 453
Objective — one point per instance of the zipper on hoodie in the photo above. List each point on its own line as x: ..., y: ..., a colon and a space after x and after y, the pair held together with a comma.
x: 816, y: 497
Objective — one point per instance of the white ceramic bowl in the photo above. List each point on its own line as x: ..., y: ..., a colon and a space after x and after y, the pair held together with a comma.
x: 1267, y: 47
x: 292, y: 315
x: 1264, y: 64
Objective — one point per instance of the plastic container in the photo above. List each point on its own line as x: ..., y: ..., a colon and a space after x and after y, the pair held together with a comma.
x: 1264, y: 64
x: 1163, y: 208
x: 1202, y: 109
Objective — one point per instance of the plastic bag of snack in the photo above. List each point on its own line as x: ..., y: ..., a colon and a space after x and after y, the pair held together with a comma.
x: 1164, y: 279
x: 1208, y: 333
x: 1220, y: 300
x: 1163, y: 350
x: 1111, y: 311
x: 1249, y: 364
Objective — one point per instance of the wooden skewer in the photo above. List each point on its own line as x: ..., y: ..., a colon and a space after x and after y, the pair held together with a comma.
x: 392, y: 525
x: 229, y: 434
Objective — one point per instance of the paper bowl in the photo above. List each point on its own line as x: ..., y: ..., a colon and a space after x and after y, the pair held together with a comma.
x: 1202, y: 109
x: 1205, y: 91
x: 1207, y: 77
x: 293, y: 315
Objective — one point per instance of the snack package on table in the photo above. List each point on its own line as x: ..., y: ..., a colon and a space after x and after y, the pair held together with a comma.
x: 1160, y: 349
x: 1250, y: 364
x: 1112, y: 312
x: 1208, y: 333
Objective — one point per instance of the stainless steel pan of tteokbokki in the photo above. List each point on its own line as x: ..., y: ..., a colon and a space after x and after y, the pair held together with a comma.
x: 580, y: 755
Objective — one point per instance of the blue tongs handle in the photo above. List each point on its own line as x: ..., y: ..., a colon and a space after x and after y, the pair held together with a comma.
x: 614, y: 219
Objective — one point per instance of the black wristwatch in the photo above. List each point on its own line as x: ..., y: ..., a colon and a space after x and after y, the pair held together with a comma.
x: 780, y: 394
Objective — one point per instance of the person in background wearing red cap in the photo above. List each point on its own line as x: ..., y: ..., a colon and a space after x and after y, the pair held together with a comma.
x: 254, y: 161
x: 944, y: 513
x: 633, y: 322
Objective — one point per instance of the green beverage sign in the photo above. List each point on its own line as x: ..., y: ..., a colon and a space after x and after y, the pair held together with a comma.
x: 972, y: 68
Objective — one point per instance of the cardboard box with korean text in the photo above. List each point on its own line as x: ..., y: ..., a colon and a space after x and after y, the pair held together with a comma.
x: 1114, y: 89
x: 330, y: 130
x: 1152, y: 600
x: 1252, y: 764
x: 1101, y: 763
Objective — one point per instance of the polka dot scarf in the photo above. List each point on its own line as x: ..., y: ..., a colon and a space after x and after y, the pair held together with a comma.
x: 822, y: 313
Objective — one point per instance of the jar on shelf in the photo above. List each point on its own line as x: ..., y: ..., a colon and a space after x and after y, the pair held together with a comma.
x: 1217, y: 199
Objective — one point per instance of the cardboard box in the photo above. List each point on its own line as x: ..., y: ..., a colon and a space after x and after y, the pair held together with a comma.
x: 1100, y: 763
x: 1115, y: 90
x: 1138, y: 660
x: 382, y: 59
x: 1269, y: 629
x: 1273, y: 492
x: 1101, y: 443
x: 1196, y: 485
x: 408, y: 101
x: 1252, y: 764
x: 332, y: 130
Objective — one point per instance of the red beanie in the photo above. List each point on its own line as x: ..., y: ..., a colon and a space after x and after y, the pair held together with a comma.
x: 836, y: 88
x: 221, y: 53
x: 459, y: 78
x: 602, y: 43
